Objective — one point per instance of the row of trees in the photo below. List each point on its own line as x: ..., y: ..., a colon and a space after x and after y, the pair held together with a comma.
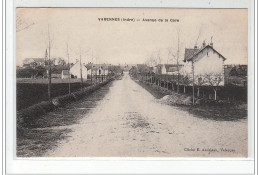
x: 212, y: 80
x: 183, y: 78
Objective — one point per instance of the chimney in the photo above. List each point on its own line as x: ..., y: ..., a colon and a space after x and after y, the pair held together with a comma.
x: 211, y: 43
x: 204, y: 44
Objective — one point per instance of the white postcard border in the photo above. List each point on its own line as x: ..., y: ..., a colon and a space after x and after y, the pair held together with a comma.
x: 123, y: 165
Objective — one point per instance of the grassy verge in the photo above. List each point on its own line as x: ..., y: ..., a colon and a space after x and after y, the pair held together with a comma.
x: 212, y: 112
x: 155, y: 91
x: 44, y: 133
x: 37, y: 141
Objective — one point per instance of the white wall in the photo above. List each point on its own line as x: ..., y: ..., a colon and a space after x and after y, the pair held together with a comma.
x: 164, y: 70
x: 75, y: 70
x: 207, y: 62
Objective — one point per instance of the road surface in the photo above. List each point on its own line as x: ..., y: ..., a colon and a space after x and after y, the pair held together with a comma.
x: 130, y: 122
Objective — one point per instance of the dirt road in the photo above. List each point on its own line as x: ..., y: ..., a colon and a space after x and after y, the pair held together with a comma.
x: 129, y: 121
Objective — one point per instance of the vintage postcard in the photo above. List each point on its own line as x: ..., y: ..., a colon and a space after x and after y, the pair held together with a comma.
x: 131, y: 82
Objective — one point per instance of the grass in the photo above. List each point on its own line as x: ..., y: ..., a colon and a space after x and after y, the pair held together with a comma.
x: 35, y: 142
x: 32, y: 93
x: 44, y: 133
x: 211, y: 112
x: 46, y: 81
x: 218, y: 113
x: 154, y: 90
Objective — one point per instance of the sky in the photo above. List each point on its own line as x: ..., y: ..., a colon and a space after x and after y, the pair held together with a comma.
x: 120, y: 42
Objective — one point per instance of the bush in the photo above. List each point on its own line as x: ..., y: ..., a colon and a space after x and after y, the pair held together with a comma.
x: 30, y: 114
x: 63, y: 100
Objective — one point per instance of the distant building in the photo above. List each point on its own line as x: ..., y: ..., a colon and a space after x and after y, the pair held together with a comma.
x: 65, y: 74
x: 89, y: 68
x: 58, y: 61
x: 235, y: 75
x: 56, y: 71
x: 143, y: 68
x: 102, y: 69
x: 75, y: 70
x: 97, y: 69
x: 34, y: 62
x: 167, y: 69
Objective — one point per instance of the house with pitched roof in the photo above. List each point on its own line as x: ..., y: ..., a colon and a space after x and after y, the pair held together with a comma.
x: 77, y: 70
x: 207, y: 63
x: 33, y: 62
x: 167, y: 69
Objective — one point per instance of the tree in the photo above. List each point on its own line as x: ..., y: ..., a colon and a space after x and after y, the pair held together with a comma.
x: 201, y: 81
x: 185, y: 80
x: 170, y: 52
x: 214, y: 79
x: 69, y: 65
x: 49, y: 76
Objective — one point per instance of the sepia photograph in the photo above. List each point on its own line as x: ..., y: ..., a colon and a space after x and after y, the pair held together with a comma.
x: 131, y: 82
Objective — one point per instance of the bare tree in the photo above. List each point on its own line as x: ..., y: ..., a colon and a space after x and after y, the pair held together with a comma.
x: 185, y: 80
x: 80, y: 63
x: 49, y: 84
x: 176, y: 57
x: 201, y: 81
x: 214, y: 79
x: 69, y: 65
x: 192, y: 66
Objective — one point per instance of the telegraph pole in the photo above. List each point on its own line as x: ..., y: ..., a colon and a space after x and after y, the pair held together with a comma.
x: 81, y: 78
x: 49, y: 84
x: 178, y: 76
x: 91, y: 67
x: 69, y: 66
x: 193, y: 91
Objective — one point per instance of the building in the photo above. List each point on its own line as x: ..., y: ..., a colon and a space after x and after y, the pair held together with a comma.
x: 235, y: 75
x: 75, y: 70
x: 97, y: 69
x: 208, y: 65
x: 89, y: 67
x: 65, y: 74
x: 34, y: 62
x: 58, y: 61
x: 167, y: 69
x: 102, y: 69
x: 57, y: 71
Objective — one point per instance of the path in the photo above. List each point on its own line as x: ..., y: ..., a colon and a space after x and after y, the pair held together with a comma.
x: 129, y: 121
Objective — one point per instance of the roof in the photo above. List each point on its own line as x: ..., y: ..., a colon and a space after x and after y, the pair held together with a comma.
x: 88, y: 66
x: 58, y: 69
x: 97, y: 66
x: 174, y: 68
x: 28, y: 60
x: 65, y: 72
x: 191, y: 53
x: 169, y: 67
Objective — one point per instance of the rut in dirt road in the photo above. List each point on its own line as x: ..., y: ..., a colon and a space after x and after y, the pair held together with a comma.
x: 129, y: 121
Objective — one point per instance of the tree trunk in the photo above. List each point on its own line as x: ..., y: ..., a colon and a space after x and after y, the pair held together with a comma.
x: 198, y: 92
x: 215, y: 94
